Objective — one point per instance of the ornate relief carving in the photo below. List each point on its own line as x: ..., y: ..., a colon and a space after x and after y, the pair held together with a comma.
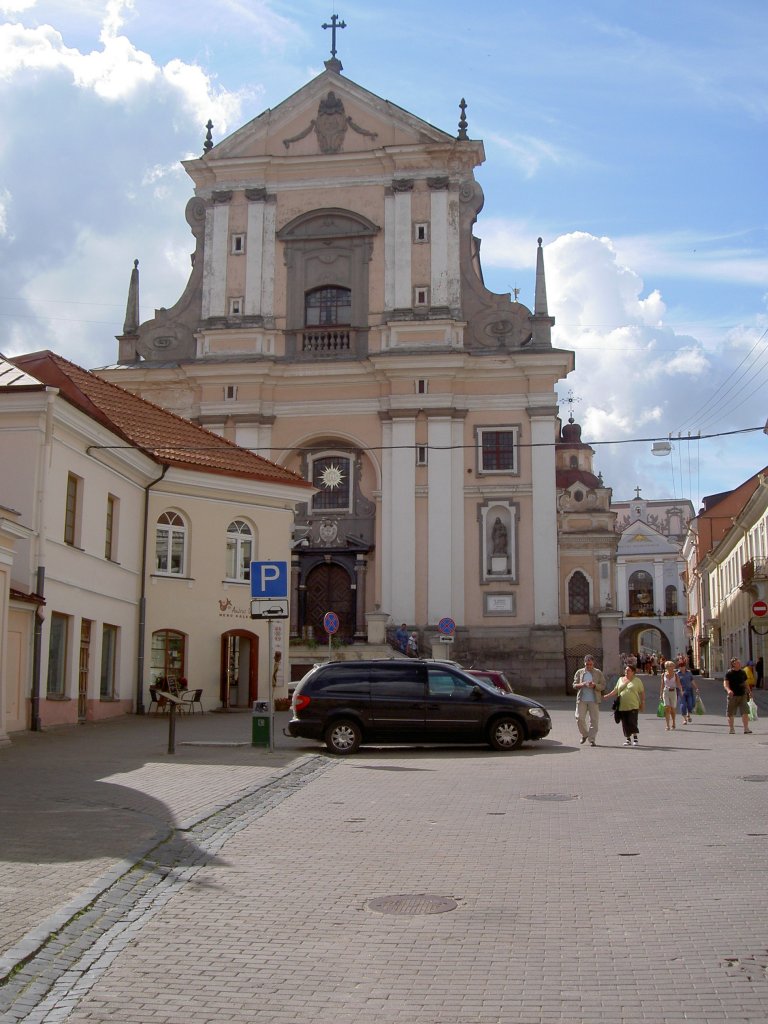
x: 256, y: 195
x: 222, y: 196
x: 330, y: 126
x: 438, y: 184
x: 402, y: 185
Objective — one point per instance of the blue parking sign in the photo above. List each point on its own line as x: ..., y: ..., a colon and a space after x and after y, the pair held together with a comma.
x: 269, y: 579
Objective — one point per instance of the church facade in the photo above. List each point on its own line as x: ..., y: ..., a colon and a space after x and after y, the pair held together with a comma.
x: 336, y: 321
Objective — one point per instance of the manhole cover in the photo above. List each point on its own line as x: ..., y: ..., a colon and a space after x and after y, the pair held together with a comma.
x: 754, y: 778
x: 412, y: 904
x: 551, y: 796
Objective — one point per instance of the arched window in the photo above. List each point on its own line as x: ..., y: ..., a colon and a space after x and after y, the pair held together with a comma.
x: 328, y: 307
x: 239, y: 550
x: 670, y: 600
x: 332, y: 474
x: 168, y: 657
x: 574, y: 462
x: 578, y: 594
x: 170, y: 544
x: 640, y: 593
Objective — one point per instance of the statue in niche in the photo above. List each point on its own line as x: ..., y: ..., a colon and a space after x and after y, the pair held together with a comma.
x: 499, y: 538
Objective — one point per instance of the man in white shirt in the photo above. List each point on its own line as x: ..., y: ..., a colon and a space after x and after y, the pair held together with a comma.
x: 589, y: 684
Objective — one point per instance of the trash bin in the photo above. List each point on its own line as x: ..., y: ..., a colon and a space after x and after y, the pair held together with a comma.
x: 260, y: 724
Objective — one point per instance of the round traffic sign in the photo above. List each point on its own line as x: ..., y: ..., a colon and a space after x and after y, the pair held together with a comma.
x: 330, y: 622
x: 760, y: 608
x: 447, y: 626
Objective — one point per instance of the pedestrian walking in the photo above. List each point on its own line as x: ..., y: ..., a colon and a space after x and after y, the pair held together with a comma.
x: 631, y: 693
x: 690, y: 691
x: 589, y: 684
x: 670, y: 693
x: 738, y: 691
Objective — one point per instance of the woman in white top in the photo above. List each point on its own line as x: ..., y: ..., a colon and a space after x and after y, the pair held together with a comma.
x: 671, y: 691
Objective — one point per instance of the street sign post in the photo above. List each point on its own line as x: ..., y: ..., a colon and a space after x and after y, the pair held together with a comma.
x: 330, y: 625
x: 447, y: 626
x: 269, y: 579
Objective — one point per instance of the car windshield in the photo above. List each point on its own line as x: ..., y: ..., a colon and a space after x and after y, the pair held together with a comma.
x: 479, y: 681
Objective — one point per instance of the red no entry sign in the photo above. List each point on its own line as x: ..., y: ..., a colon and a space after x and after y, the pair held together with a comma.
x: 760, y: 608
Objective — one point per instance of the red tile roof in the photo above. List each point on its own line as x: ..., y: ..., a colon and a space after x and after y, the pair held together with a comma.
x: 167, y: 438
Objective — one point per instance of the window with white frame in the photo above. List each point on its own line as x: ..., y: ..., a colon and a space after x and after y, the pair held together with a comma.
x: 230, y: 392
x: 236, y: 306
x: 238, y: 244
x: 332, y: 475
x: 497, y: 449
x: 239, y: 550
x: 170, y: 544
x: 421, y: 454
x: 421, y: 295
x: 421, y: 231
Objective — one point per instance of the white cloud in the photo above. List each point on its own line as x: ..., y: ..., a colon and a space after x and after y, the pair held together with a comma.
x: 528, y: 152
x: 5, y: 199
x: 16, y: 6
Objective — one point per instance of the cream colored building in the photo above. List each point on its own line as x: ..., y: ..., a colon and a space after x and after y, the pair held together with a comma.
x: 336, y: 321
x: 125, y: 551
x: 727, y: 553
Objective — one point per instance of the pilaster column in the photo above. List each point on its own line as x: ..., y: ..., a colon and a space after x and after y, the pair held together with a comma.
x: 361, y: 568
x: 216, y: 252
x: 544, y: 511
x: 294, y: 605
x: 398, y: 515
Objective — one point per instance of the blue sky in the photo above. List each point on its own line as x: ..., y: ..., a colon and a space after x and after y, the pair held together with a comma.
x: 632, y: 138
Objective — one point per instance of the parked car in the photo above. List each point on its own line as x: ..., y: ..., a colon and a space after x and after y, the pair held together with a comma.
x: 350, y: 703
x: 492, y: 675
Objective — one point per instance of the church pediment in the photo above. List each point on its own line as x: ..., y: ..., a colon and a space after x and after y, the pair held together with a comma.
x: 329, y: 115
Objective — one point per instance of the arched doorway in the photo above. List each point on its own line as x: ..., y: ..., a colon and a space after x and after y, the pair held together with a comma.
x: 329, y: 589
x: 239, y: 678
x: 645, y: 638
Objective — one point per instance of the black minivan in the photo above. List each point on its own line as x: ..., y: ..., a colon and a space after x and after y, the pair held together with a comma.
x: 346, y: 703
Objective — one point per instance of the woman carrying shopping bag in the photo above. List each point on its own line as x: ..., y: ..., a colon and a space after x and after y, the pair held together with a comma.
x: 631, y: 693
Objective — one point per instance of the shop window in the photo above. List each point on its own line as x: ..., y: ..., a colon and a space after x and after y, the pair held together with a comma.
x: 57, y: 655
x: 168, y: 658
x: 108, y: 658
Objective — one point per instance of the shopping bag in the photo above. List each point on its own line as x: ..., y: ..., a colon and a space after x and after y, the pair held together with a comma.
x: 752, y: 710
x: 699, y: 709
x: 660, y: 709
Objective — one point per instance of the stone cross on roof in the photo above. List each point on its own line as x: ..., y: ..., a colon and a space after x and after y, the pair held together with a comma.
x: 335, y: 23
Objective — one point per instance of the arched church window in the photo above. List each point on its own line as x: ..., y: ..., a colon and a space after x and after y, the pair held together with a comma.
x: 574, y: 462
x: 670, y: 600
x: 328, y: 307
x: 640, y: 588
x: 578, y: 594
x: 332, y: 475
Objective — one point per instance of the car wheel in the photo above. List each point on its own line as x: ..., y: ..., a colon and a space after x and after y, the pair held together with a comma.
x: 343, y: 736
x: 505, y: 734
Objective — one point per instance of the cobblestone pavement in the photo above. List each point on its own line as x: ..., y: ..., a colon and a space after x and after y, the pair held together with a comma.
x: 593, y: 885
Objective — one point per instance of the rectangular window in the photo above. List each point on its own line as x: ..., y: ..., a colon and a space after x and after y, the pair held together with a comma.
x: 421, y: 295
x: 421, y: 455
x: 108, y: 655
x: 422, y: 387
x: 72, y: 510
x: 497, y: 450
x: 421, y: 231
x: 236, y: 306
x: 110, y: 537
x: 238, y: 245
x: 57, y: 655
x: 230, y: 392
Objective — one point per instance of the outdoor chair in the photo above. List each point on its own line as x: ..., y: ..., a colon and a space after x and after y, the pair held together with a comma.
x: 159, y: 702
x: 189, y: 700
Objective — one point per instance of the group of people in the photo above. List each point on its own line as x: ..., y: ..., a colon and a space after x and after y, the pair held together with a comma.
x: 407, y: 643
x: 678, y: 694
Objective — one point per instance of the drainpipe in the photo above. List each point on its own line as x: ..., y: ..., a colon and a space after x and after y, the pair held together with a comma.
x: 143, y: 599
x: 36, y: 724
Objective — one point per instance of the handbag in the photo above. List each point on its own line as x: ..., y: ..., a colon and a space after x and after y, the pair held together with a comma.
x: 699, y: 709
x: 660, y: 709
x: 615, y: 709
x: 752, y: 709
